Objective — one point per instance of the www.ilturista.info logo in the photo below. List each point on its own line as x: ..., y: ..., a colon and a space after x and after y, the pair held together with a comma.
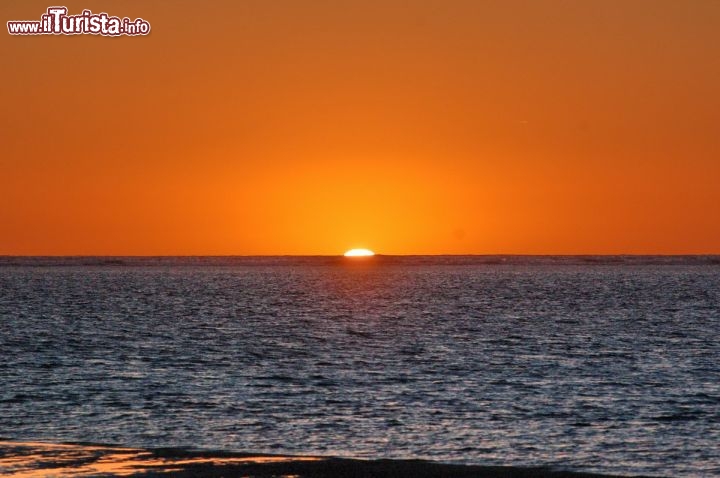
x: 57, y: 22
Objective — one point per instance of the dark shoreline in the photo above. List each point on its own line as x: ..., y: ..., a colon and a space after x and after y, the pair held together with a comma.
x: 85, y: 459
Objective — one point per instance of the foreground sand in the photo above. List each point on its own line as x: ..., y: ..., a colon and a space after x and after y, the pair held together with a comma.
x: 30, y: 459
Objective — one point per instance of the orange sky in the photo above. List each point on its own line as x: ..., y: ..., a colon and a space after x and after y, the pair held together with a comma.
x: 408, y: 127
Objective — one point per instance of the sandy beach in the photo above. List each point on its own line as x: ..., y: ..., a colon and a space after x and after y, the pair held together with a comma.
x: 37, y: 459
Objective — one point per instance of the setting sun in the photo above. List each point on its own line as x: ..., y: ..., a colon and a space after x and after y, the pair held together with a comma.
x: 359, y: 253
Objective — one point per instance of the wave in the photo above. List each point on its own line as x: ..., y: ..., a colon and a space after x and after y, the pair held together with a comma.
x: 86, y: 459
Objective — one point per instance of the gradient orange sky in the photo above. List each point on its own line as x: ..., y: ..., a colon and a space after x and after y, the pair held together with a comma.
x: 408, y: 127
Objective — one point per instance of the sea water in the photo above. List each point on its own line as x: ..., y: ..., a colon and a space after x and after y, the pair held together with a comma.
x: 602, y: 364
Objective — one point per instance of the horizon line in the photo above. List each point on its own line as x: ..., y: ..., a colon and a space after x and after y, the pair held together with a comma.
x: 702, y: 254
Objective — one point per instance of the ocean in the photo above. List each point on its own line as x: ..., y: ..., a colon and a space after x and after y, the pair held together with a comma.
x: 606, y: 364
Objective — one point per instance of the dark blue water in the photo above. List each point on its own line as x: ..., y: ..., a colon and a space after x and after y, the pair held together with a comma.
x: 593, y: 364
